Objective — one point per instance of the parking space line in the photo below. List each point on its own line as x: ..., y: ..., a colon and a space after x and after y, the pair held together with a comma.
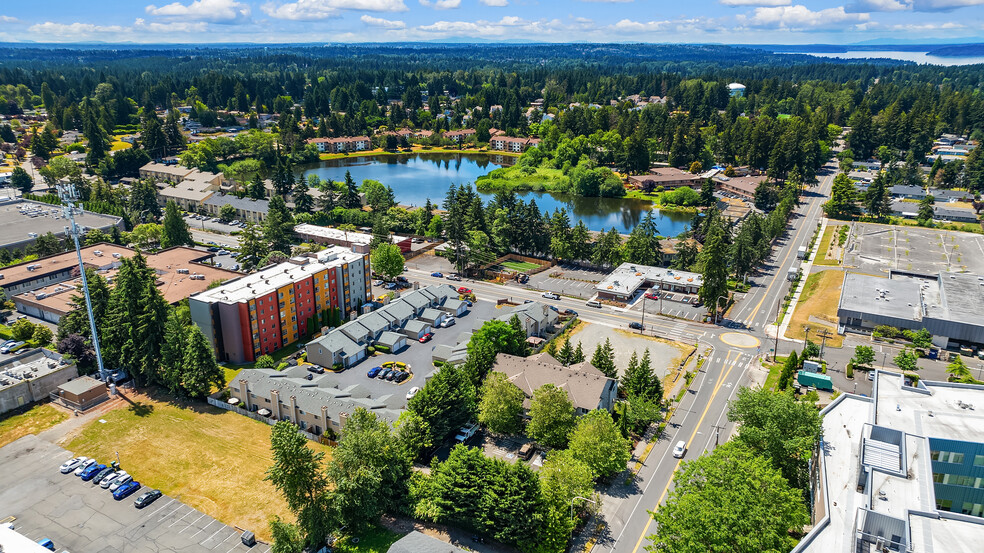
x: 172, y: 512
x: 164, y: 506
x: 231, y: 548
x: 192, y: 525
x: 223, y: 541
x: 212, y: 536
x: 182, y: 517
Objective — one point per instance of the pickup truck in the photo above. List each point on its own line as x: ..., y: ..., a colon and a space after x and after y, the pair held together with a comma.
x: 466, y: 432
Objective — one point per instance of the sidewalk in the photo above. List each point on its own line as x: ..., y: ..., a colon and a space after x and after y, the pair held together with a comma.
x: 805, y: 269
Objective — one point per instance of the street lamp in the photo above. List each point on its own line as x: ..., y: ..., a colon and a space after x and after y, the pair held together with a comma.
x: 572, y: 509
x: 725, y: 295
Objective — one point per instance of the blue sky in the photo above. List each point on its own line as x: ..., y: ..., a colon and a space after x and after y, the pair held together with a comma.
x: 724, y: 21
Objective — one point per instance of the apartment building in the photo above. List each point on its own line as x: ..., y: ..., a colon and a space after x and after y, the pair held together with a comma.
x: 512, y: 144
x: 341, y: 144
x: 163, y: 172
x: 265, y: 311
x: 667, y: 178
x: 458, y: 136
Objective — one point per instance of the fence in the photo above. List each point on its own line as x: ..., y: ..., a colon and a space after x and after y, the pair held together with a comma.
x: 269, y: 420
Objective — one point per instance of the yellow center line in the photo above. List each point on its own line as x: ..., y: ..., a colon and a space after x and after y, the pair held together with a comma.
x: 710, y: 402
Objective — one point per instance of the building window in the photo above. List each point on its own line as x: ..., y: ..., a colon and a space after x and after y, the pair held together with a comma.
x: 974, y: 509
x: 947, y: 457
x: 944, y: 504
x: 979, y: 460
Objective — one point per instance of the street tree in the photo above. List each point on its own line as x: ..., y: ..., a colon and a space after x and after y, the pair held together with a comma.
x: 789, y: 369
x: 387, y: 260
x: 780, y: 428
x: 599, y: 444
x: 227, y: 213
x: 501, y: 406
x: 864, y: 356
x: 20, y: 180
x: 714, y: 260
x: 959, y: 372
x: 551, y: 416
x: 906, y: 360
x: 843, y: 198
x: 753, y: 507
x: 603, y: 359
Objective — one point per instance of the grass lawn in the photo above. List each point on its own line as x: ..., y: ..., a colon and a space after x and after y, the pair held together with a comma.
x: 373, y: 540
x: 209, y: 458
x: 38, y: 418
x: 819, y: 299
x: 775, y: 371
x: 544, y: 179
x: 829, y: 235
x: 521, y: 266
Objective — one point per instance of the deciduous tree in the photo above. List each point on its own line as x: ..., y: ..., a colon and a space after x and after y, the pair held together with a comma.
x: 551, y: 416
x: 598, y: 443
x: 501, y: 405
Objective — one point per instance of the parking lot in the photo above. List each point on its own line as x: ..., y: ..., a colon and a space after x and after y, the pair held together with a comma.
x: 417, y: 355
x: 876, y: 249
x: 567, y: 280
x: 674, y: 304
x: 80, y: 516
x: 201, y: 222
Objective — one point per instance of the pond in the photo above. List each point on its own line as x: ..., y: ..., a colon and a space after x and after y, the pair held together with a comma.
x: 417, y: 177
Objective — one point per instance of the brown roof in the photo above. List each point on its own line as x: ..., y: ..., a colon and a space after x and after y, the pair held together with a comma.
x: 583, y: 383
x: 665, y: 174
x: 746, y: 185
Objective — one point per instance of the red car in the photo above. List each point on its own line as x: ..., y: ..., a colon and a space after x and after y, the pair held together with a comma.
x: 464, y: 290
x: 652, y: 296
x: 426, y: 337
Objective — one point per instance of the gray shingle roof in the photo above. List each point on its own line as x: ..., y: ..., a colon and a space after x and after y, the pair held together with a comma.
x: 390, y: 339
x: 583, y: 383
x: 415, y: 542
x: 244, y: 204
x: 416, y: 326
x: 399, y: 309
x: 337, y: 342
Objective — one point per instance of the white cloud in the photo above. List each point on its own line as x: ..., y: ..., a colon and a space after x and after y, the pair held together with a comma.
x: 771, y: 3
x: 7, y: 19
x: 923, y: 28
x: 627, y: 25
x: 441, y: 4
x: 310, y: 10
x: 384, y: 23
x: 140, y: 29
x: 863, y: 6
x: 508, y: 27
x: 800, y: 17
x: 215, y: 11
x: 495, y: 3
x: 49, y: 28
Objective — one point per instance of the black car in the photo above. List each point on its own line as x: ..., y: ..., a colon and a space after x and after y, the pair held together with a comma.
x: 570, y: 312
x: 147, y: 498
x: 103, y: 474
x: 636, y: 326
x: 385, y: 373
x: 402, y: 376
x: 392, y: 376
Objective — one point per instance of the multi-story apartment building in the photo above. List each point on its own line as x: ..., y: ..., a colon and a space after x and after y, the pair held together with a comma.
x: 512, y: 144
x: 341, y: 144
x: 265, y: 311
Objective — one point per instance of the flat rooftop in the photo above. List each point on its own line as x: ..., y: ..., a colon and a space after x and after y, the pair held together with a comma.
x: 330, y: 233
x: 33, y: 365
x: 961, y: 298
x: 18, y: 218
x: 272, y: 278
x: 899, y: 298
x: 627, y: 278
x: 948, y: 411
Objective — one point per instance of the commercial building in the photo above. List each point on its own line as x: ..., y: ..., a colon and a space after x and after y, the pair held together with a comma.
x: 31, y: 376
x: 586, y: 387
x: 902, y: 470
x: 736, y: 90
x: 667, y: 178
x: 357, y: 241
x: 81, y: 394
x: 743, y: 187
x: 628, y: 278
x: 316, y: 406
x: 164, y: 172
x: 44, y: 288
x: 265, y: 311
x: 22, y: 221
x: 949, y: 305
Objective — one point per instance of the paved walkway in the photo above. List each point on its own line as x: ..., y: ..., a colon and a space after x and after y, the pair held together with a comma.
x: 805, y: 269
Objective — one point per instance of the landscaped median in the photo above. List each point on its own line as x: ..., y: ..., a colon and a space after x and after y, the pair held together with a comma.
x: 211, y: 459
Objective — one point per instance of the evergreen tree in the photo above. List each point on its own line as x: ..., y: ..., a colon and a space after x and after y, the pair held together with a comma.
x: 639, y: 379
x: 278, y: 227
x: 303, y: 202
x: 566, y: 352
x: 252, y: 248
x: 175, y: 231
x: 445, y: 402
x: 256, y: 189
x: 201, y: 372
x: 603, y: 359
x: 877, y: 199
x: 707, y: 192
x: 350, y: 193
x: 789, y: 369
x: 172, y: 353
x: 577, y: 356
x: 714, y: 260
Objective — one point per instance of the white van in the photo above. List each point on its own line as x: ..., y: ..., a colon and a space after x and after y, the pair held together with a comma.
x: 593, y: 303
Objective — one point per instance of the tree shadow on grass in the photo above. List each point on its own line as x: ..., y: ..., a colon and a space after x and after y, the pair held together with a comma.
x: 138, y: 408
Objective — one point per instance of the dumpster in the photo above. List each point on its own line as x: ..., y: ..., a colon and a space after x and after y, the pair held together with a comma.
x: 248, y: 538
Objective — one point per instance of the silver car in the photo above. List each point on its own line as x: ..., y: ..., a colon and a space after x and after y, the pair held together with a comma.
x: 109, y: 480
x: 120, y: 480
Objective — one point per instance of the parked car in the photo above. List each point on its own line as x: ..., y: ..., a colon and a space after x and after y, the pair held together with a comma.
x: 72, y: 464
x: 402, y: 376
x: 147, y: 498
x: 120, y: 482
x: 593, y: 303
x: 119, y: 476
x: 371, y: 373
x: 213, y: 249
x: 426, y: 337
x: 413, y: 391
x: 84, y: 465
x: 91, y: 472
x: 11, y: 347
x: 466, y: 432
x: 437, y: 274
x: 554, y: 309
x: 652, y: 296
x: 680, y: 449
x: 390, y: 286
x: 402, y: 280
x: 392, y: 375
x: 316, y: 369
x: 551, y: 296
x: 126, y: 489
x: 570, y: 312
x: 105, y: 474
x: 448, y: 322
x: 377, y: 283
x: 417, y: 240
x: 454, y: 277
x: 462, y: 290
x: 46, y: 543
x: 8, y: 343
x: 469, y: 303
x: 527, y: 451
x: 385, y: 373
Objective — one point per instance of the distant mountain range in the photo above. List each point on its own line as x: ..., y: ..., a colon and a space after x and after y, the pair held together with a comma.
x: 945, y: 49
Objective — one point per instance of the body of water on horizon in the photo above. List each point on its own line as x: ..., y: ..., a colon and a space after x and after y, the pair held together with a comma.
x: 417, y: 177
x: 918, y: 57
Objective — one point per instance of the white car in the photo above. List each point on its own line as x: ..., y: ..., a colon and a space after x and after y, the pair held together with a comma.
x: 551, y: 296
x: 448, y: 322
x: 120, y: 480
x: 83, y: 465
x: 110, y: 480
x: 680, y: 449
x: 72, y: 464
x: 413, y: 391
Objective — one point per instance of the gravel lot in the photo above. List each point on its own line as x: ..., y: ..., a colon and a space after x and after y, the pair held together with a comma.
x: 78, y: 516
x: 664, y: 354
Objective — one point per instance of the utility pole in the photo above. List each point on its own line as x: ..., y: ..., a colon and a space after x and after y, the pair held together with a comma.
x: 717, y: 433
x: 824, y: 334
x: 641, y: 330
x: 775, y: 351
x: 69, y: 196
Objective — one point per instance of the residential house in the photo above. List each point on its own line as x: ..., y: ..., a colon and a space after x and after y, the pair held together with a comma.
x: 416, y: 329
x: 335, y: 348
x: 908, y: 192
x: 957, y: 215
x: 433, y: 317
x: 392, y: 341
x: 537, y: 318
x: 456, y: 308
x: 586, y: 386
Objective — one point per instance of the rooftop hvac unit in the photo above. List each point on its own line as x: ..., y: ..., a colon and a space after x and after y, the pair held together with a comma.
x: 117, y: 255
x: 40, y: 296
x: 183, y: 271
x: 97, y: 253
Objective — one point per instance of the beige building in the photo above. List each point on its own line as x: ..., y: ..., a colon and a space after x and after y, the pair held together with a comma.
x: 31, y: 376
x: 586, y: 387
x: 161, y: 172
